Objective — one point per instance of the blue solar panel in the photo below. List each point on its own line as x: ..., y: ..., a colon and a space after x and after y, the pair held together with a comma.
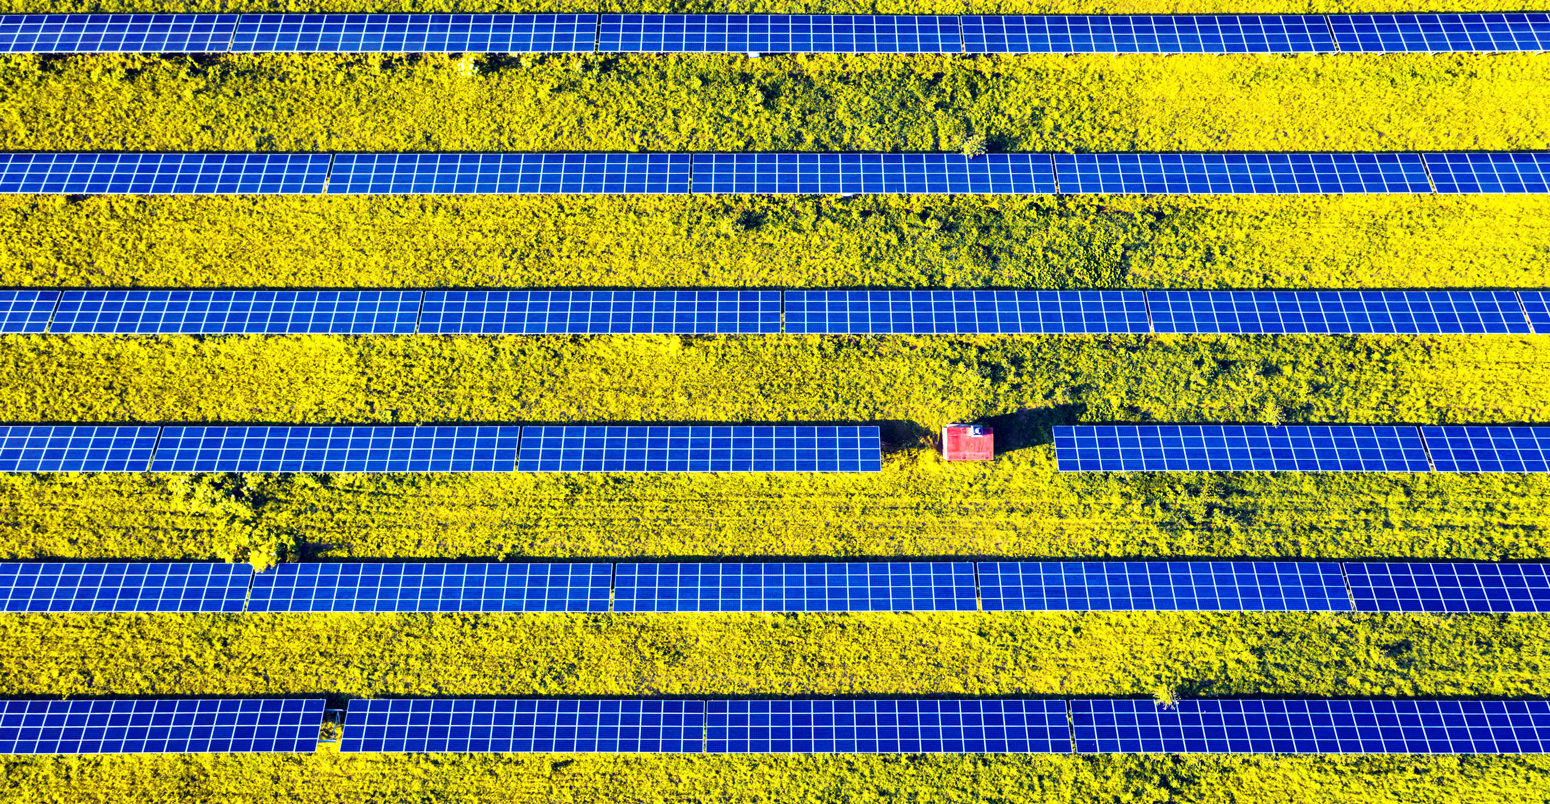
x: 887, y: 726
x: 406, y: 587
x: 26, y: 311
x: 965, y: 311
x: 569, y: 726
x: 416, y: 33
x: 75, y: 448
x: 339, y: 448
x: 1536, y: 303
x: 687, y: 312
x: 777, y: 33
x: 1337, y: 311
x: 1243, y: 33
x: 83, y: 173
x: 510, y: 173
x: 1440, y: 33
x: 666, y: 448
x: 116, y: 33
x: 1239, y: 448
x: 852, y: 586
x: 237, y: 311
x: 161, y: 726
x: 1241, y: 173
x: 1162, y: 586
x: 1409, y: 586
x: 1479, y: 448
x: 1490, y: 172
x: 872, y: 173
x: 1301, y: 727
x: 117, y: 586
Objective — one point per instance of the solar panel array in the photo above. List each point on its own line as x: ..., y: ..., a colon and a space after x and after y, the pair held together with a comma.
x: 834, y: 586
x: 1260, y: 173
x: 418, y: 586
x: 1241, y: 33
x: 152, y: 174
x: 965, y: 311
x: 671, y: 448
x: 161, y: 726
x: 76, y: 448
x: 1239, y: 448
x: 461, y: 174
x: 1489, y: 172
x: 485, y: 725
x: 887, y: 726
x: 1441, y: 33
x: 116, y: 33
x: 1337, y: 311
x: 338, y: 448
x: 1311, y: 726
x: 237, y: 311
x: 1162, y: 586
x: 698, y: 312
x: 1536, y: 305
x: 846, y: 173
x: 39, y: 586
x: 1457, y: 448
x: 415, y: 33
x: 1449, y: 587
x: 27, y: 311
x: 777, y: 33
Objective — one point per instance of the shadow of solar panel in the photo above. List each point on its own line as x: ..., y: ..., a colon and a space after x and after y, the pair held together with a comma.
x: 1473, y: 448
x: 1440, y: 33
x: 432, y: 587
x: 1527, y: 172
x: 887, y: 727
x: 1336, y: 311
x: 340, y: 448
x: 1241, y: 173
x: 873, y: 173
x: 156, y: 174
x: 116, y: 33
x: 1311, y: 727
x: 416, y: 33
x: 851, y: 586
x: 26, y: 311
x: 355, y: 312
x: 1239, y: 448
x: 533, y: 312
x: 668, y: 448
x: 965, y: 311
x: 1162, y: 586
x: 472, y: 174
x: 1444, y: 588
x: 1536, y: 304
x: 1242, y: 33
x: 506, y: 725
x: 75, y: 448
x: 777, y: 33
x: 161, y: 726
x: 118, y: 586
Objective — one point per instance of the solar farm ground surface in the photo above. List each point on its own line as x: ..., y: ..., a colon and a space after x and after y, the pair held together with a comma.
x: 917, y: 506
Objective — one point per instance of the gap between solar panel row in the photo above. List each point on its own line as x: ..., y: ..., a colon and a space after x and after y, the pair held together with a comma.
x: 762, y: 33
x: 726, y: 312
x: 773, y: 173
x: 632, y: 587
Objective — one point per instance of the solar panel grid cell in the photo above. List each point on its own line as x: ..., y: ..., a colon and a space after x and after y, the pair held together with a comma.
x: 965, y: 311
x: 846, y: 173
x: 116, y: 33
x: 572, y: 726
x: 1250, y: 33
x: 853, y: 586
x: 1490, y: 172
x: 887, y: 726
x: 344, y: 448
x: 75, y: 448
x: 1466, y: 448
x: 1449, y: 587
x: 26, y: 311
x: 1441, y: 33
x: 160, y: 726
x: 1261, y: 173
x: 1336, y: 311
x: 238, y: 311
x: 542, y: 174
x: 1239, y: 448
x: 778, y: 33
x: 416, y: 33
x: 1162, y: 586
x: 159, y: 174
x: 34, y: 586
x: 431, y: 587
x: 689, y: 312
x: 667, y: 448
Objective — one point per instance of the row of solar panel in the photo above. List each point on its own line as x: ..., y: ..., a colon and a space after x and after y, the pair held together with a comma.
x: 712, y: 312
x: 773, y: 173
x: 1361, y: 586
x: 1092, y: 725
x: 761, y: 33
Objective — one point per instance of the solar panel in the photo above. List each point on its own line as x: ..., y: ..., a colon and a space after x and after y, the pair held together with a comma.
x: 26, y: 311
x: 777, y: 33
x: 1490, y: 172
x: 416, y: 33
x: 1305, y: 727
x: 687, y: 312
x: 1240, y: 33
x: 337, y: 448
x: 1336, y: 311
x: 161, y: 726
x: 1440, y: 33
x: 668, y: 448
x: 887, y: 726
x: 1473, y: 587
x: 965, y: 311
x: 836, y: 173
x: 508, y: 725
x: 379, y: 174
x: 1536, y: 303
x: 1478, y: 448
x: 414, y: 587
x: 1241, y: 173
x: 153, y: 174
x: 1239, y: 448
x: 238, y: 311
x: 117, y: 586
x: 75, y: 447
x: 1162, y: 586
x: 852, y: 586
x: 116, y: 33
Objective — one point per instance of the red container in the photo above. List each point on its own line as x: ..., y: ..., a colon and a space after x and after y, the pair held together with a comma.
x: 968, y: 442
